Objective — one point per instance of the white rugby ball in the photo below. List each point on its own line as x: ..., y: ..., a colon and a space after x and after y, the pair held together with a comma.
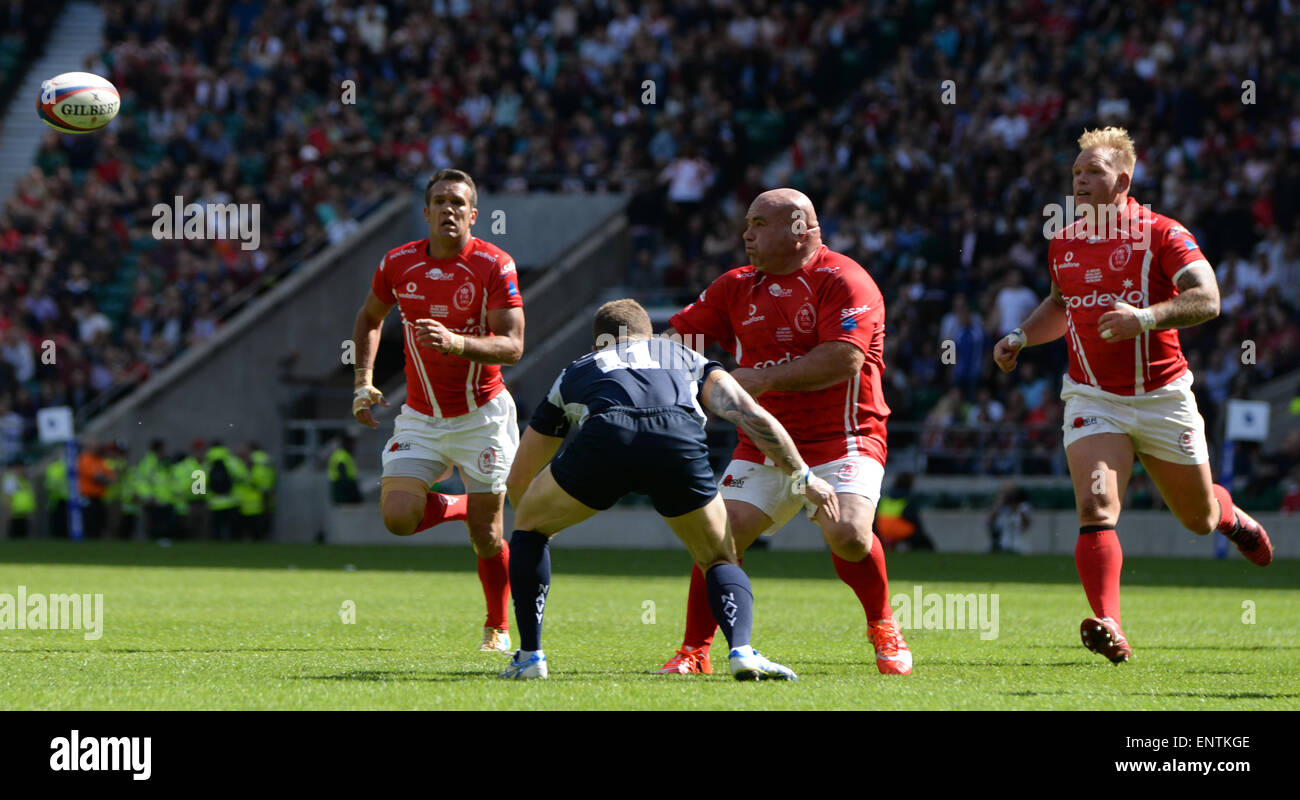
x: 77, y: 102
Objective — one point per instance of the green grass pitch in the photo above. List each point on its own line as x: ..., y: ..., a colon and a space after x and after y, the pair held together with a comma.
x: 229, y: 626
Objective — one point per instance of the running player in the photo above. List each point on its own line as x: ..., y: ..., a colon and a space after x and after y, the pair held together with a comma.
x: 462, y: 317
x: 637, y: 404
x: 807, y: 327
x: 1123, y: 281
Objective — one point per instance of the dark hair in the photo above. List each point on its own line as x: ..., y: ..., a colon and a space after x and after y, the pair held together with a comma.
x: 456, y: 175
x: 624, y: 316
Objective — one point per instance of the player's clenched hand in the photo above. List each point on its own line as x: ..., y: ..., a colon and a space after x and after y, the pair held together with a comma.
x: 432, y: 333
x: 750, y: 379
x: 821, y: 495
x: 362, y: 399
x: 1006, y: 352
x: 1121, y: 324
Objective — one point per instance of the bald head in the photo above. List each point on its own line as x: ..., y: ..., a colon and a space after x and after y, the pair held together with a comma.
x: 792, y: 202
x: 781, y: 231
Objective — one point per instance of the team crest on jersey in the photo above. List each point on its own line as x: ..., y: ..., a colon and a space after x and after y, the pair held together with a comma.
x: 488, y: 459
x: 805, y: 319
x: 847, y: 472
x: 1187, y: 442
x: 464, y: 296
x: 1120, y: 257
x: 777, y: 291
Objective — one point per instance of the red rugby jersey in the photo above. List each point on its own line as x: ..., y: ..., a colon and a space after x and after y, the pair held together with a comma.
x: 1139, y: 263
x: 458, y: 292
x: 764, y: 320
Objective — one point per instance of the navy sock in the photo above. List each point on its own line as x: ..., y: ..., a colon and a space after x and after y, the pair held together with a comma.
x: 732, y: 602
x: 530, y: 580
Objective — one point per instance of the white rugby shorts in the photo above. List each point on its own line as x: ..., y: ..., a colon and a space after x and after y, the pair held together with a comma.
x: 1164, y: 423
x: 768, y: 487
x: 481, y: 444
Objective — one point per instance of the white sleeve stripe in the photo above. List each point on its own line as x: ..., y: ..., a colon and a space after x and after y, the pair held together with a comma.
x: 554, y: 397
x: 1197, y: 263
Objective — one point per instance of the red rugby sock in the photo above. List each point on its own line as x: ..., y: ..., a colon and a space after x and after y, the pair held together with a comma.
x: 869, y: 581
x: 494, y: 574
x: 1227, y: 524
x: 1098, y: 556
x: 700, y: 624
x: 440, y: 508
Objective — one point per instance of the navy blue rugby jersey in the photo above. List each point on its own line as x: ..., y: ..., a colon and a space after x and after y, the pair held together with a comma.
x: 642, y: 373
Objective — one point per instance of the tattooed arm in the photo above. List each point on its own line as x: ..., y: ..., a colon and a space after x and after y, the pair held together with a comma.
x: 1197, y: 300
x: 725, y: 397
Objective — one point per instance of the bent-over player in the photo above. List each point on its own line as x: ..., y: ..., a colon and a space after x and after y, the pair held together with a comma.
x: 637, y: 404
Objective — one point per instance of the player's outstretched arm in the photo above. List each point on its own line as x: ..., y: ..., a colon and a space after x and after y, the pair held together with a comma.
x: 505, y: 346
x: 724, y: 396
x: 535, y: 451
x: 1044, y: 324
x: 825, y: 365
x: 365, y: 335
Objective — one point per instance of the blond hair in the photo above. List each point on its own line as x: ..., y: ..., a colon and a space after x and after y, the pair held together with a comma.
x: 1122, y: 154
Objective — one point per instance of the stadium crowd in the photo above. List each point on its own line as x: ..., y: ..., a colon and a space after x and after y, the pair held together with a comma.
x: 253, y: 102
x: 944, y: 203
x: 941, y: 201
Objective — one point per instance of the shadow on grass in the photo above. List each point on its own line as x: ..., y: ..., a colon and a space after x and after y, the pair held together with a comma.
x: 905, y: 569
x: 1198, y: 695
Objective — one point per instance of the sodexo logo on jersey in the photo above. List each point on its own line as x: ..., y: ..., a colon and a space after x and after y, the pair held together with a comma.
x: 772, y: 362
x: 1097, y: 299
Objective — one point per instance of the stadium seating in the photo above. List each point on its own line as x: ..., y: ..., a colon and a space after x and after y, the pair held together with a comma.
x: 843, y: 100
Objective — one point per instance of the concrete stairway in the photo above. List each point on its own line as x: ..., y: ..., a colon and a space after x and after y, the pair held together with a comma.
x: 77, y: 34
